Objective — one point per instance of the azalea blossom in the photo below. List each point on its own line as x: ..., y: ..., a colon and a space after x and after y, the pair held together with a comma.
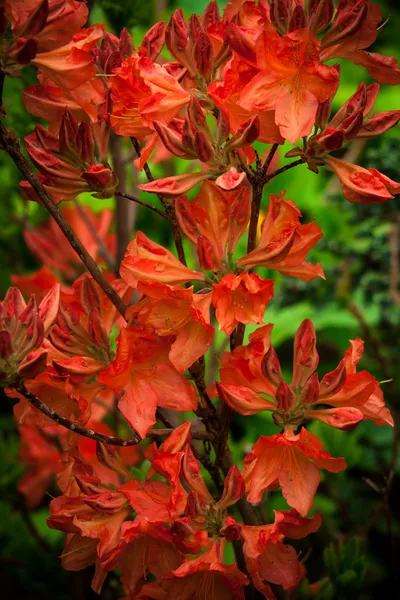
x: 337, y: 400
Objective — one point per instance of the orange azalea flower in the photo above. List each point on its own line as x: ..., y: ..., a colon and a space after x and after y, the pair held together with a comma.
x: 143, y: 92
x: 72, y: 65
x: 268, y: 559
x: 291, y: 462
x: 346, y: 391
x: 173, y: 311
x: 226, y: 95
x: 214, y: 221
x: 241, y: 299
x: 144, y: 548
x: 363, y: 185
x: 146, y: 261
x: 205, y: 578
x: 284, y: 242
x: 143, y: 372
x: 292, y: 81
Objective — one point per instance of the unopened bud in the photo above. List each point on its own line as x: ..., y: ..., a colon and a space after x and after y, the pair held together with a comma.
x: 246, y: 134
x: 126, y: 44
x: 297, y: 20
x: 153, y: 41
x: 203, y: 147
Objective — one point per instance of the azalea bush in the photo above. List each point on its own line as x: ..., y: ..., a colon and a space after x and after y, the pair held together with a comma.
x: 131, y: 353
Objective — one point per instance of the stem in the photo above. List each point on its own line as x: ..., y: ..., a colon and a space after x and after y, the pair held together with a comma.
x: 270, y: 157
x: 124, y: 211
x: 89, y: 433
x: 12, y: 148
x: 142, y: 203
x: 283, y: 169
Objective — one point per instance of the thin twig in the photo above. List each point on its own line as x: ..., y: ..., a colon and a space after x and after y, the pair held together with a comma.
x: 89, y: 433
x: 142, y: 203
x: 283, y: 169
x: 11, y: 146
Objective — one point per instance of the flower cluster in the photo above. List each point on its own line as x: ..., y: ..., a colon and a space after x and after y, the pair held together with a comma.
x: 256, y: 76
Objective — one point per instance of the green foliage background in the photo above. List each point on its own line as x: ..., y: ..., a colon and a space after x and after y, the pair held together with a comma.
x: 354, y: 553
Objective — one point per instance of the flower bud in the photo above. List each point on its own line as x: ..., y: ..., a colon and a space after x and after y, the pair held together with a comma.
x: 126, y: 44
x: 348, y: 20
x: 310, y: 391
x: 176, y: 38
x: 234, y: 488
x: 246, y: 134
x: 285, y: 398
x: 297, y: 20
x: 305, y: 359
x: 332, y: 382
x: 85, y: 143
x: 153, y: 41
x: 173, y: 141
x: 320, y: 13
x: 100, y: 178
x: 24, y: 50
x: 231, y: 530
x: 203, y: 147
x: 279, y: 14
x: 271, y: 367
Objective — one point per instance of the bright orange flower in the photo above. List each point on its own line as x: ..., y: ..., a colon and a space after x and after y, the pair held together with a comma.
x: 145, y: 548
x: 237, y: 74
x: 284, y: 242
x: 241, y: 299
x: 143, y: 372
x: 344, y: 390
x: 144, y: 92
x: 72, y: 65
x: 173, y: 311
x: 214, y: 221
x: 363, y: 185
x: 268, y: 559
x: 291, y: 462
x: 147, y: 261
x: 205, y: 578
x: 292, y: 81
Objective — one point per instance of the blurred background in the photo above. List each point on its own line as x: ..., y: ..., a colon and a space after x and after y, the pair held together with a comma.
x: 356, y: 546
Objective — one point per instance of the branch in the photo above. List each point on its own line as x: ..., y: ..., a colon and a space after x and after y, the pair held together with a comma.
x: 12, y: 148
x: 89, y: 433
x: 283, y: 169
x: 142, y: 203
x: 124, y: 211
